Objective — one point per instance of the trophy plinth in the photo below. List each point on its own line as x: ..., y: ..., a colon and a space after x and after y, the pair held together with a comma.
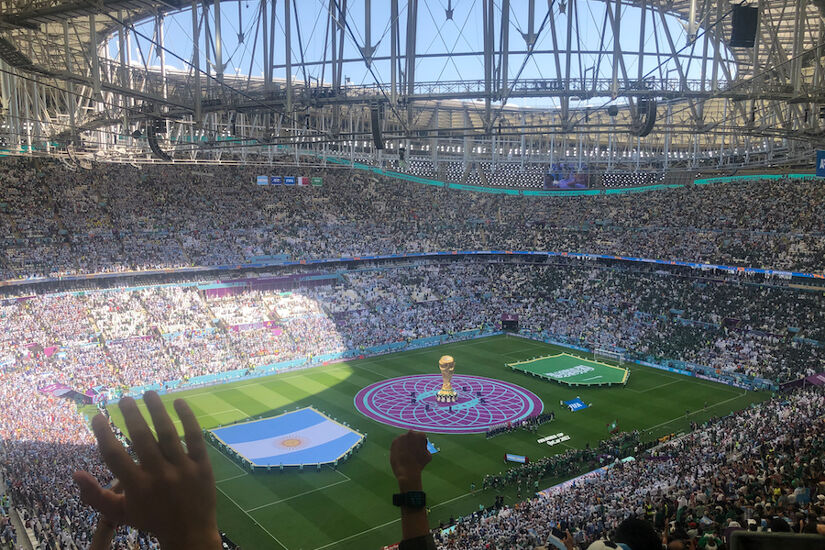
x: 446, y: 394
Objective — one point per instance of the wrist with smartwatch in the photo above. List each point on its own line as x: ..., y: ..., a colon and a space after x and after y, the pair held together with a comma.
x: 410, y: 499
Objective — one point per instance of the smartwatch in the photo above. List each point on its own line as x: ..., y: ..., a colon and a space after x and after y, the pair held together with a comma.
x: 410, y: 499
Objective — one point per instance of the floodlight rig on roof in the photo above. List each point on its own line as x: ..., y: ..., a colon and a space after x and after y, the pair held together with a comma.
x: 760, y: 105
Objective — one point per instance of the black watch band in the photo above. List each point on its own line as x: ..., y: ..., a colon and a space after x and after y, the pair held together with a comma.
x: 410, y: 499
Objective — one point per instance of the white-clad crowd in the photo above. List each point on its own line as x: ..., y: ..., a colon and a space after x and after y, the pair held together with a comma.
x: 762, y: 467
x: 116, y: 218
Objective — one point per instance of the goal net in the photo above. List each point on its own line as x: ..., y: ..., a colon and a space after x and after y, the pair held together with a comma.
x: 602, y: 354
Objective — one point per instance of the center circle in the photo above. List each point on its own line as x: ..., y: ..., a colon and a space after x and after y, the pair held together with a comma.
x: 410, y: 402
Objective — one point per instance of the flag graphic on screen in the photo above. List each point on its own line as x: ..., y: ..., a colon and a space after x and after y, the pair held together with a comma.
x: 289, y: 180
x: 302, y: 180
x: 275, y: 180
x: 263, y: 180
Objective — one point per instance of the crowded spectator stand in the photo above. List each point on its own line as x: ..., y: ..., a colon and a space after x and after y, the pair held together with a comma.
x: 106, y: 296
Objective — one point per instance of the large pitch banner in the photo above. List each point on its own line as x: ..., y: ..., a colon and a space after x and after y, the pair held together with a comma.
x: 572, y: 370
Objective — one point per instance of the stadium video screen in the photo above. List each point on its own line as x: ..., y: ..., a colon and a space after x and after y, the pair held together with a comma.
x: 565, y: 176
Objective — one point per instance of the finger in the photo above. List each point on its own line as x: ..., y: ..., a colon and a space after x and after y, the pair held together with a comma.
x: 168, y: 439
x: 195, y: 444
x: 111, y: 505
x: 419, y: 444
x: 113, y: 453
x: 143, y: 442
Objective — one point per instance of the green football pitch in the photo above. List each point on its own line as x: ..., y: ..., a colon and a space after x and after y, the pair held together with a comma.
x: 350, y: 507
x: 572, y: 370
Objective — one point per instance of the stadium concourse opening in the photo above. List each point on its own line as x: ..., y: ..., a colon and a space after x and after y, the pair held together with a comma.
x: 573, y: 370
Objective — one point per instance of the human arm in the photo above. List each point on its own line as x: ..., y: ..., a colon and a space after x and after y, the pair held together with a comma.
x: 408, y: 457
x: 170, y: 492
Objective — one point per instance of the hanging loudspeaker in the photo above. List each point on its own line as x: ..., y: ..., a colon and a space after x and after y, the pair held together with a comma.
x: 152, y: 138
x: 743, y: 26
x: 650, y: 118
x: 376, y: 127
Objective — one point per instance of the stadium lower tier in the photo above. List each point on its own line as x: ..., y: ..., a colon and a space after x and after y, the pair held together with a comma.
x: 94, y: 340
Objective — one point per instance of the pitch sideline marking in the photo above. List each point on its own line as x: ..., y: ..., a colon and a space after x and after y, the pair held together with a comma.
x: 412, y: 352
x: 393, y: 521
x: 273, y: 503
x: 654, y: 387
x: 265, y: 530
x: 659, y: 386
x: 226, y: 457
x: 677, y: 377
x: 737, y: 396
x: 378, y: 374
x: 233, y: 409
x: 358, y: 534
x: 231, y: 477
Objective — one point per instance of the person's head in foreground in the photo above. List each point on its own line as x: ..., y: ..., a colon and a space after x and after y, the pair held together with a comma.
x: 631, y: 534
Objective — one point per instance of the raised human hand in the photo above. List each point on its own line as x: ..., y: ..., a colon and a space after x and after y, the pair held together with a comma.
x: 169, y: 492
x: 408, y: 457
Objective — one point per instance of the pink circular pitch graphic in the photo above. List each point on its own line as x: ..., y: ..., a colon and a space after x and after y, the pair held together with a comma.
x: 409, y: 402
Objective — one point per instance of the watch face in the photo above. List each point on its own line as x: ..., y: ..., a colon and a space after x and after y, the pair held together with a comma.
x: 410, y: 499
x: 415, y: 499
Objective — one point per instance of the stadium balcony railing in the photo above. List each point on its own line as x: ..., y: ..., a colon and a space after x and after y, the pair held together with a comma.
x: 453, y: 253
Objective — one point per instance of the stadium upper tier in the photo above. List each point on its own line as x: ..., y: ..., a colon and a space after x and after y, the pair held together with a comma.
x: 117, y: 218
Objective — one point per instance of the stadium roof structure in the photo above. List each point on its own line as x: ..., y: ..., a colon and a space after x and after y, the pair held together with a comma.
x: 107, y: 80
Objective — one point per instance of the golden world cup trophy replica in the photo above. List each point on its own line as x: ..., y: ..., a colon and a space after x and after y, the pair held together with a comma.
x: 446, y: 394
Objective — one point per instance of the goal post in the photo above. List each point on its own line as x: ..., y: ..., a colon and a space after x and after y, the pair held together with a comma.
x: 603, y: 354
